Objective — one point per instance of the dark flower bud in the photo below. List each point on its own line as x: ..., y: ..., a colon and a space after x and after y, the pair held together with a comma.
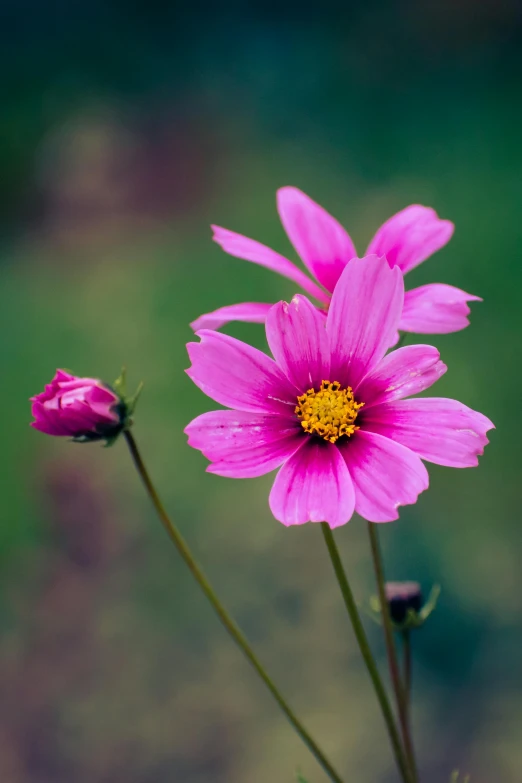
x: 403, y: 597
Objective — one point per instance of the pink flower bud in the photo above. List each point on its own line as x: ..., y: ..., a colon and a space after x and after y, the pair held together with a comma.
x: 81, y: 408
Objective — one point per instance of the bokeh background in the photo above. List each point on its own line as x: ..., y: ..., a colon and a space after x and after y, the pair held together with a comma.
x: 126, y: 129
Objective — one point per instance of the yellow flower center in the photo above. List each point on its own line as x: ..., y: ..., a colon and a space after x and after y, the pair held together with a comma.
x: 329, y: 412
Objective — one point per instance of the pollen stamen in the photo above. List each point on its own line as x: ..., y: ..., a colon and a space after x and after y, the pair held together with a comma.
x: 329, y: 412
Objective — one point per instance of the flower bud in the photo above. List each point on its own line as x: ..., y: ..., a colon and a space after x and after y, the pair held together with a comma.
x: 84, y: 409
x: 403, y: 597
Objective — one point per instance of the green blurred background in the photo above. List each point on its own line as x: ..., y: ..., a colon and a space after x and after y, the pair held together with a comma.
x: 126, y: 129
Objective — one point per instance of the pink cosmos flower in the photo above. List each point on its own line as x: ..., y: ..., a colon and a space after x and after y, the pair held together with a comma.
x: 406, y: 239
x: 329, y: 409
x: 79, y: 408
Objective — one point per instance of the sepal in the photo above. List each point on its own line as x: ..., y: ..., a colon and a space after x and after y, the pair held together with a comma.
x: 455, y: 777
x: 413, y: 618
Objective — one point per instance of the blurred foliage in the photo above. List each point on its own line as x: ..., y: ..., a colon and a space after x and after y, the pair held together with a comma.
x: 126, y: 130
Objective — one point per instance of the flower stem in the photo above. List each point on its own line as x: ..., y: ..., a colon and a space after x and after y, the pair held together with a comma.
x: 406, y: 650
x: 228, y: 622
x: 390, y: 648
x: 366, y: 652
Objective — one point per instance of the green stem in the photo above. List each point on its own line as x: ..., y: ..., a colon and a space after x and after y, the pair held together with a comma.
x: 366, y: 653
x: 223, y: 615
x: 390, y: 648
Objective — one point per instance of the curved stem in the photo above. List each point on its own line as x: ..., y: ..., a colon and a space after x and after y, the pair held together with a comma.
x: 228, y: 622
x: 366, y: 652
x: 390, y: 648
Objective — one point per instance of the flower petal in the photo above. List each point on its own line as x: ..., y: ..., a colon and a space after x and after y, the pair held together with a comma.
x: 239, y: 376
x: 42, y: 425
x: 251, y: 312
x: 250, y: 250
x: 297, y: 338
x: 363, y: 317
x: 62, y: 380
x: 47, y: 421
x: 401, y: 373
x: 436, y: 309
x: 313, y: 486
x: 411, y: 236
x: 80, y: 418
x: 63, y: 375
x: 321, y: 242
x: 437, y: 429
x: 243, y: 445
x: 385, y: 475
